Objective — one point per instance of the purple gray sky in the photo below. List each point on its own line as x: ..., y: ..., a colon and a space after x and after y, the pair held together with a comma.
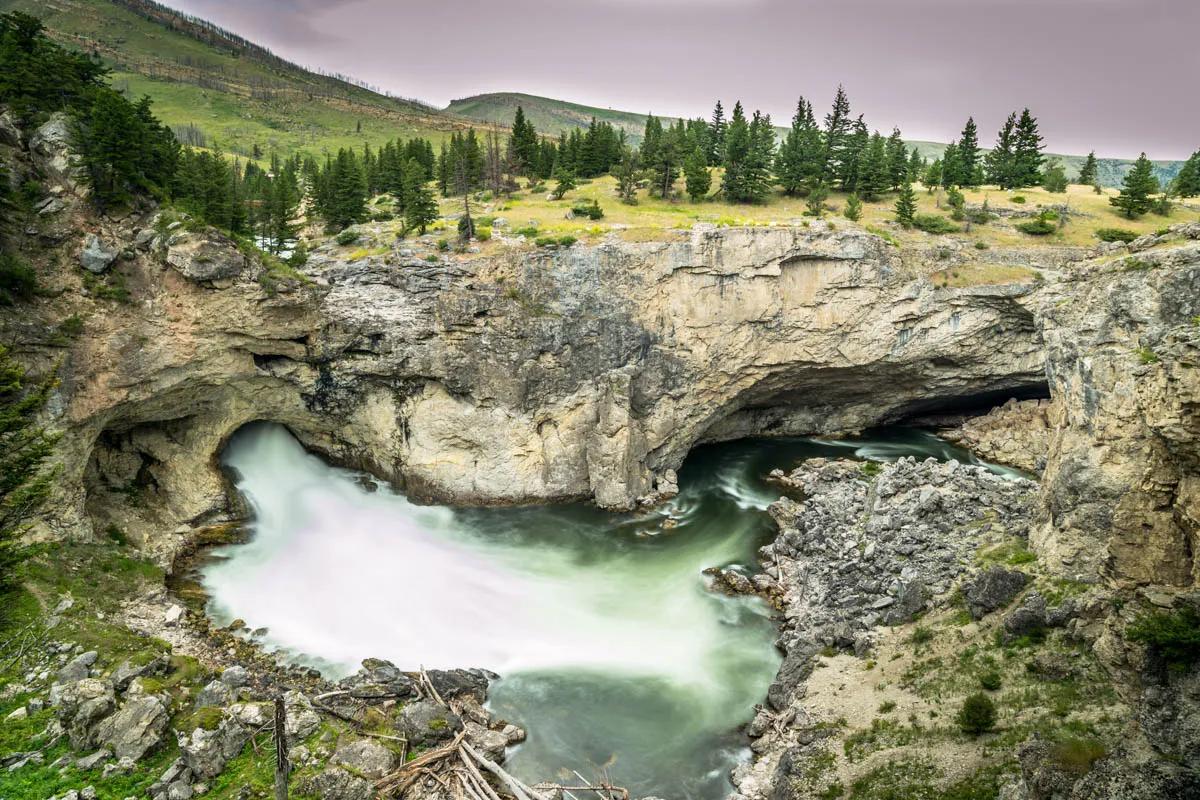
x: 1117, y: 76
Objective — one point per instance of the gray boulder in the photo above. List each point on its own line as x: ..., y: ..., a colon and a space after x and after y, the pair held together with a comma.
x: 51, y: 145
x: 206, y: 752
x: 302, y: 720
x: 136, y: 729
x: 97, y: 256
x: 427, y: 722
x: 206, y: 256
x: 216, y: 693
x: 1029, y: 618
x: 127, y: 671
x: 235, y: 677
x: 79, y: 706
x: 337, y: 784
x: 78, y: 667
x: 366, y: 757
x: 992, y: 589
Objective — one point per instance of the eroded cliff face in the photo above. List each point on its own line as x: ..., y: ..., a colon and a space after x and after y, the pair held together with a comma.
x: 523, y: 376
x: 1121, y: 497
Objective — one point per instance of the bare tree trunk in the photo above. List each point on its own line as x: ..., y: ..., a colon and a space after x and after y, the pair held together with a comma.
x: 281, y: 751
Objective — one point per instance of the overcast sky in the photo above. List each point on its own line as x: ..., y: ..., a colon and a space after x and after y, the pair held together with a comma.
x: 1116, y: 76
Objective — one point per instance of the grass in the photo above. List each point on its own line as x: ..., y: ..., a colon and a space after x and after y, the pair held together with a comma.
x: 983, y: 275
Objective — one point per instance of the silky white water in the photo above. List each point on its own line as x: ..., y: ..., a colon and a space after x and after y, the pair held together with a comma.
x: 611, y: 650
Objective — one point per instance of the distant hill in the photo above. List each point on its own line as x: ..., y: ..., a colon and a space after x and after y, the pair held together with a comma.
x: 218, y: 89
x: 552, y: 116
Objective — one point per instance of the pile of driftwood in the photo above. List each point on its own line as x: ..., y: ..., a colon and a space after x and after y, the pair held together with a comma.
x: 463, y: 772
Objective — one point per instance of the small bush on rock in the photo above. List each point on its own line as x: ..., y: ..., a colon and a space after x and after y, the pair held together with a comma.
x: 934, y: 223
x: 1116, y: 235
x: 1173, y: 635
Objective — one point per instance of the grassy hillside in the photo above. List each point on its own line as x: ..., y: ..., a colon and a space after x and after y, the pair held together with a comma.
x: 237, y: 95
x: 552, y: 116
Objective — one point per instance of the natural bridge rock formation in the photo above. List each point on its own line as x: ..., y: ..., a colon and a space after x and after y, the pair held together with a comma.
x: 532, y: 375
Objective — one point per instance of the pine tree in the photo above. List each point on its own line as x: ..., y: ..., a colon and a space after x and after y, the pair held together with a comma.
x: 1136, y: 189
x: 565, y: 182
x: 837, y: 130
x: 716, y: 139
x: 666, y: 159
x: 932, y: 176
x: 737, y: 150
x: 422, y: 207
x: 814, y: 204
x: 800, y: 156
x: 758, y: 177
x: 698, y: 178
x: 1054, y: 177
x: 853, y: 210
x: 874, y: 174
x: 1187, y: 182
x: 916, y: 167
x: 853, y: 154
x: 1088, y: 173
x: 1027, y: 151
x: 652, y: 136
x: 897, y: 158
x: 951, y: 166
x: 906, y: 206
x: 626, y: 172
x: 524, y: 142
x: 1001, y: 161
x: 25, y: 479
x: 970, y: 171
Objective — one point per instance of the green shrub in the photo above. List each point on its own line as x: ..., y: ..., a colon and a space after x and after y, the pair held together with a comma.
x: 299, y: 256
x: 432, y: 258
x: 1037, y: 227
x: 934, y: 223
x: 347, y: 237
x: 887, y: 707
x: 981, y: 245
x: 483, y: 233
x: 1173, y: 635
x: 566, y: 241
x: 871, y: 468
x: 1078, y: 755
x: 977, y: 715
x: 921, y: 635
x: 545, y: 241
x: 529, y: 232
x: 1017, y: 198
x: 71, y: 327
x: 17, y: 279
x: 443, y: 245
x: 591, y: 210
x: 1116, y: 235
x: 1147, y: 356
x: 1135, y: 265
x: 990, y: 680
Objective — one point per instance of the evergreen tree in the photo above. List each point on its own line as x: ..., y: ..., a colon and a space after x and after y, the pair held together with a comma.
x: 951, y: 166
x: 874, y: 174
x: 757, y: 174
x: 854, y: 153
x: 897, y: 159
x: 422, y: 208
x: 1136, y: 189
x: 1054, y: 177
x: 347, y: 186
x: 716, y: 139
x: 565, y: 179
x: 969, y: 168
x: 814, y: 205
x: 524, y: 142
x: 1027, y: 151
x: 1088, y: 173
x: 906, y: 206
x: 737, y: 151
x: 916, y: 167
x: 837, y: 131
x: 1001, y: 161
x: 626, y: 172
x: 853, y: 210
x: 666, y: 159
x: 698, y: 178
x: 652, y: 136
x: 799, y: 163
x: 1187, y: 182
x: 25, y: 479
x: 932, y: 176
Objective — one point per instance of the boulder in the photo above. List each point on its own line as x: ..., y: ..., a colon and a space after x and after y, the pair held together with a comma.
x: 1029, y: 618
x: 79, y: 706
x: 490, y: 743
x: 127, y: 671
x: 206, y: 256
x: 427, y: 722
x: 302, y: 720
x: 206, y: 752
x: 77, y: 668
x: 96, y: 255
x: 136, y: 729
x: 992, y: 589
x: 51, y: 146
x: 337, y: 784
x: 235, y: 677
x: 216, y: 693
x: 366, y: 757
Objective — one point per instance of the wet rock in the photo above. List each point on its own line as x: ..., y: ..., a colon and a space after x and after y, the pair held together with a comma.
x: 136, y: 728
x: 490, y: 743
x: 379, y: 677
x: 993, y: 589
x: 458, y: 682
x: 366, y: 757
x: 427, y: 722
